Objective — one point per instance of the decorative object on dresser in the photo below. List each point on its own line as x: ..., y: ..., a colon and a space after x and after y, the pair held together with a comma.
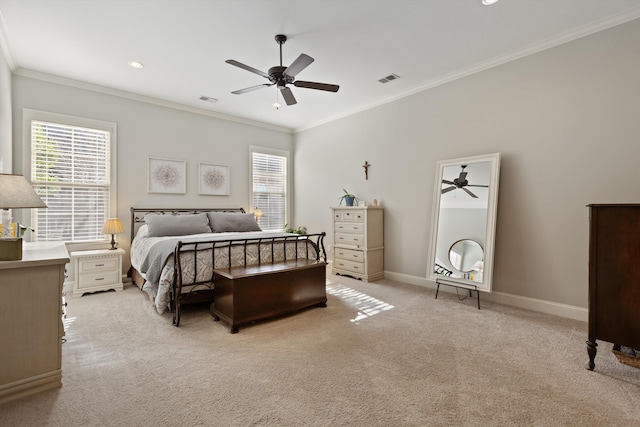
x: 358, y: 242
x: 112, y: 226
x: 614, y: 284
x: 463, y: 223
x: 348, y: 199
x: 31, y: 304
x: 15, y: 193
x: 99, y: 270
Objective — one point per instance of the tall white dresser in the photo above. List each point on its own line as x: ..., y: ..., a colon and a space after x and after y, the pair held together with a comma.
x: 31, y: 316
x: 358, y: 242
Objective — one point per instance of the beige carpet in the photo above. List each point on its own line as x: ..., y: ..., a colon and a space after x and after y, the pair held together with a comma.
x: 380, y: 354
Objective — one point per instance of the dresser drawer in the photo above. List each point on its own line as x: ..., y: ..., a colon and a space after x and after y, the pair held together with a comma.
x: 356, y: 267
x: 97, y: 264
x: 349, y: 227
x: 98, y: 279
x: 349, y: 215
x: 348, y: 254
x: 349, y: 239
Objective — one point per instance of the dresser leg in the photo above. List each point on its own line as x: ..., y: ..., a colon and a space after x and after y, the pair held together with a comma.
x: 592, y: 350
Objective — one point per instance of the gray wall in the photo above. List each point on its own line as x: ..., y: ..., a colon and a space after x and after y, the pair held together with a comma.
x: 5, y: 115
x: 566, y: 122
x: 145, y: 129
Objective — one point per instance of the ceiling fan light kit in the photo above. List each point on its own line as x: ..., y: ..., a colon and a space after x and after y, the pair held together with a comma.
x: 282, y: 76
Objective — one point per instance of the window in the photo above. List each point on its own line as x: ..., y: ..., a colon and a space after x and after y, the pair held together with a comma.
x: 71, y: 169
x: 269, y: 186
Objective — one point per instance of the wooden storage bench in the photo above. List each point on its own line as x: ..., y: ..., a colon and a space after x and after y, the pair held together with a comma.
x: 256, y: 292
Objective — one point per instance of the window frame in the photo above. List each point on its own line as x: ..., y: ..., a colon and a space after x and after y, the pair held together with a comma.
x: 28, y: 116
x: 273, y: 152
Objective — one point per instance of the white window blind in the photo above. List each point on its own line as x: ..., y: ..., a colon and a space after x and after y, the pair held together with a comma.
x: 70, y: 171
x: 269, y: 188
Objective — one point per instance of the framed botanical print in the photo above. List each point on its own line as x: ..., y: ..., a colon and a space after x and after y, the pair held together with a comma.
x: 167, y: 175
x: 213, y: 180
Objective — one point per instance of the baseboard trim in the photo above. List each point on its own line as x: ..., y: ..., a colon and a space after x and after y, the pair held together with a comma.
x: 534, y: 304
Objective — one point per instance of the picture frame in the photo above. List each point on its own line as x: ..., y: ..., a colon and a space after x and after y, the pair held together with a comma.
x: 166, y: 175
x: 214, y: 180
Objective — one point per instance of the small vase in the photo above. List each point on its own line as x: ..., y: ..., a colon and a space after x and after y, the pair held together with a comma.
x: 348, y: 201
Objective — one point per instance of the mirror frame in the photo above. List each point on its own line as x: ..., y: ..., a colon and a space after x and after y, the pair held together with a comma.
x: 492, y: 206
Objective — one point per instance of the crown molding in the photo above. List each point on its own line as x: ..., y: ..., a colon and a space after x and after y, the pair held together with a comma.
x: 143, y: 98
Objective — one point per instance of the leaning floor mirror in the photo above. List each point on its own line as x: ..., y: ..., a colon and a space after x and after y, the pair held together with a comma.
x: 464, y: 222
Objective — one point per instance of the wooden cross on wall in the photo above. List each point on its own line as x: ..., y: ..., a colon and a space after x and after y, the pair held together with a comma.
x: 366, y: 169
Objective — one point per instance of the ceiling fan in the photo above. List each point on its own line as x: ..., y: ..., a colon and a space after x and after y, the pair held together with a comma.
x: 460, y: 182
x: 282, y: 76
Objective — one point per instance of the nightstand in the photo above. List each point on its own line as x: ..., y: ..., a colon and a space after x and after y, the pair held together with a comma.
x: 98, y: 270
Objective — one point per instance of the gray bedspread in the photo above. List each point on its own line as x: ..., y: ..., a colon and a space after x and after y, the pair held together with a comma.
x: 157, y: 255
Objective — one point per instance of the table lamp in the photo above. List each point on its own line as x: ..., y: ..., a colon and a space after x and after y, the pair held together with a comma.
x: 15, y: 193
x: 112, y: 226
x: 257, y: 213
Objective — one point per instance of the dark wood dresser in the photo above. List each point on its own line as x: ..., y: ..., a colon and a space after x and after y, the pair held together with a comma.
x: 614, y: 276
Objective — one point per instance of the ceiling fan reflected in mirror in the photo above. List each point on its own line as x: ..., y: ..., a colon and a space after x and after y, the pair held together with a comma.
x: 282, y: 76
x: 461, y: 183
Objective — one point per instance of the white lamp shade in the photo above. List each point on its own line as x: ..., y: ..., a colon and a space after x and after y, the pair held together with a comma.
x: 112, y: 226
x: 16, y: 193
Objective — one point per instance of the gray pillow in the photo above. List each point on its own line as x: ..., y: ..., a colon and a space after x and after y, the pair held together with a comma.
x: 232, y: 222
x: 177, y: 225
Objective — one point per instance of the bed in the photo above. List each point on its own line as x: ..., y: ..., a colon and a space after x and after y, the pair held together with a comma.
x: 175, y: 251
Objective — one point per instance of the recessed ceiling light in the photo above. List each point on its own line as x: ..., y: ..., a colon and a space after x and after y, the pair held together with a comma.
x: 489, y: 2
x: 136, y: 64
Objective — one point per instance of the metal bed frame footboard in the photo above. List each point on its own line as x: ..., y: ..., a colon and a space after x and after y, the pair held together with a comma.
x: 313, y: 249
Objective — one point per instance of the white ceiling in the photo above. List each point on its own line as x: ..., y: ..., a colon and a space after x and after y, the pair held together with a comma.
x: 184, y: 44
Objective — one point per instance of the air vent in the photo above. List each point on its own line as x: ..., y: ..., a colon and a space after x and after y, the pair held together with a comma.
x: 208, y: 99
x: 389, y: 78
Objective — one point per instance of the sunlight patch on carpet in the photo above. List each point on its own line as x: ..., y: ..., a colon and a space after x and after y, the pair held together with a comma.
x: 367, y: 306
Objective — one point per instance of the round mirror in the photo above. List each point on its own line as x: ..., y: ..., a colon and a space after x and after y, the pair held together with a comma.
x: 466, y: 255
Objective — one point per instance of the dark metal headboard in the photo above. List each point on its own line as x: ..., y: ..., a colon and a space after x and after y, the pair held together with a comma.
x: 138, y: 214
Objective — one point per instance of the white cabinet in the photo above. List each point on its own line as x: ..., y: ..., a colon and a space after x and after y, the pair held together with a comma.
x: 31, y: 316
x: 99, y: 270
x: 358, y: 242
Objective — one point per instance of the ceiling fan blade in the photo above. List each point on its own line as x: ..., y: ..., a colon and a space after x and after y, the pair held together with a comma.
x: 251, y: 89
x: 470, y: 193
x: 485, y: 186
x: 444, y: 181
x: 318, y: 86
x: 462, y: 177
x: 288, y: 95
x: 246, y: 67
x: 446, y: 190
x: 301, y: 62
